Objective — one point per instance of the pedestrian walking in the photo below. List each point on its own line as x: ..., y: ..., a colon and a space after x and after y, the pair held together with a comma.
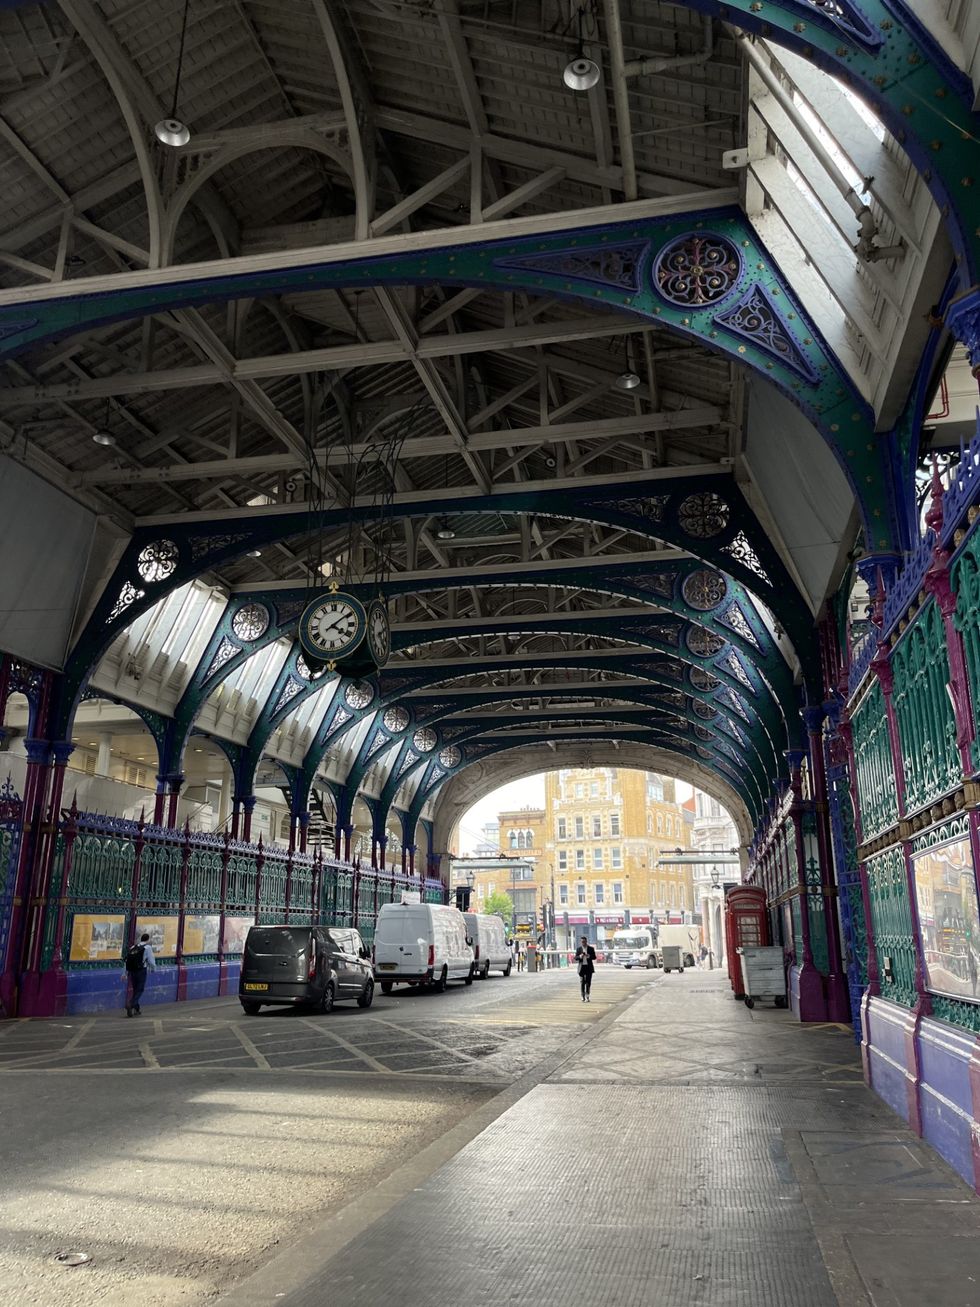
x: 521, y: 957
x: 139, y: 961
x: 585, y: 958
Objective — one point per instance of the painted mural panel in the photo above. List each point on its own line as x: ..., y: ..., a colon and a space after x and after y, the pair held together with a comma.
x: 97, y: 937
x: 236, y: 928
x: 162, y: 932
x: 946, y: 893
x: 201, y: 934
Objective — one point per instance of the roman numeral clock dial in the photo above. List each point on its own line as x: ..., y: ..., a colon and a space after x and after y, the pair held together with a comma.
x: 332, y: 628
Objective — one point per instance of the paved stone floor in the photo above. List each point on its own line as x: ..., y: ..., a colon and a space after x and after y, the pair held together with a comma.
x: 182, y: 1149
x: 692, y: 1153
x: 498, y: 1144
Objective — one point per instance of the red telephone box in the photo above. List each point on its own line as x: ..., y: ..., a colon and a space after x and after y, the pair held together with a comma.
x: 746, y: 924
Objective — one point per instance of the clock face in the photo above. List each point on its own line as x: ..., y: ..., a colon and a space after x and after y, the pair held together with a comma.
x: 395, y: 719
x: 358, y: 695
x: 330, y: 626
x: 425, y: 739
x: 379, y: 633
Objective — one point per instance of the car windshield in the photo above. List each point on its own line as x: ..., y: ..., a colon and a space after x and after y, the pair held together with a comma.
x: 632, y: 941
x: 283, y: 940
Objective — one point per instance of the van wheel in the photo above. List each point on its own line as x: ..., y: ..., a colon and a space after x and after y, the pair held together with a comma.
x: 367, y: 995
x: 251, y: 1009
x: 485, y: 973
x: 509, y: 967
x: 386, y: 986
x: 469, y: 978
x: 326, y: 1003
x: 439, y: 986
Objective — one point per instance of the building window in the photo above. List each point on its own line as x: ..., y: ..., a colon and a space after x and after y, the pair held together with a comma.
x: 579, y: 791
x: 529, y: 839
x: 594, y: 789
x: 655, y: 788
x: 580, y: 859
x: 563, y: 896
x: 579, y: 827
x: 649, y: 823
x: 597, y: 826
x: 669, y: 824
x: 562, y: 828
x: 663, y: 893
x: 600, y: 895
x: 562, y: 859
x: 597, y: 859
x: 660, y: 823
x: 673, y: 895
x: 617, y: 891
x: 614, y: 823
x: 490, y: 888
x: 512, y: 839
x: 616, y: 856
x: 580, y: 895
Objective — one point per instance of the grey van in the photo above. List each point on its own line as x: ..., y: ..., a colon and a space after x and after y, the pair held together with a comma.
x: 312, y: 966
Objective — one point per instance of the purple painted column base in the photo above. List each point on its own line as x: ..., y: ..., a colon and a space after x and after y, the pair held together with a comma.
x: 806, y: 994
x: 43, y: 994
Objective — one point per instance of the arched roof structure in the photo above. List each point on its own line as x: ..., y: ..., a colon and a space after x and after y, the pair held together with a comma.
x: 459, y: 260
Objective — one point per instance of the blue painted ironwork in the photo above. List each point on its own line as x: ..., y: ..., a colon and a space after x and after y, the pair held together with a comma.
x: 756, y: 318
x: 697, y: 268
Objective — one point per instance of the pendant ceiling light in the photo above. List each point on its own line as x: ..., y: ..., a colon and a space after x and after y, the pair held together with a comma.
x: 172, y: 130
x: 628, y: 379
x: 581, y: 73
x: 445, y: 531
x: 102, y: 435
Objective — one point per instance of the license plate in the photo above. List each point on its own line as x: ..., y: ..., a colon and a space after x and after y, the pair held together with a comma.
x: 247, y: 986
x: 387, y: 966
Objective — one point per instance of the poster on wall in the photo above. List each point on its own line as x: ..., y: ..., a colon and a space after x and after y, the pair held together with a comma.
x: 946, y: 894
x: 201, y: 934
x: 162, y: 932
x: 236, y: 928
x: 97, y: 938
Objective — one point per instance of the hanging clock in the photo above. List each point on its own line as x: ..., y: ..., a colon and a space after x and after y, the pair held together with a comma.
x: 333, y: 627
x: 378, y: 632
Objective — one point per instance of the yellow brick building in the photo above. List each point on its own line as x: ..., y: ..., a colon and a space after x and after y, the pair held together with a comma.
x: 594, y: 850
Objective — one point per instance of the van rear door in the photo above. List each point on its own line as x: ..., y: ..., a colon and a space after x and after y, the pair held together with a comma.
x: 277, y: 960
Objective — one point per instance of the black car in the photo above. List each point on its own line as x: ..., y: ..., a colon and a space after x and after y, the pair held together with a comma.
x: 312, y: 966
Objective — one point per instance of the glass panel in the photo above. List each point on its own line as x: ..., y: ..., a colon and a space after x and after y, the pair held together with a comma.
x: 946, y: 893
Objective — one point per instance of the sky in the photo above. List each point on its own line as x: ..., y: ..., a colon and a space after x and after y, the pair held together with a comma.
x: 526, y: 793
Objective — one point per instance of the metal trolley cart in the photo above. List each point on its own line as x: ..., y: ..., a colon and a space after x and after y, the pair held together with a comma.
x: 763, y: 975
x: 673, y: 956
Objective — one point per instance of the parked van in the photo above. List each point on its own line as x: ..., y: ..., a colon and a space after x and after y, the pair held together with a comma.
x: 490, y: 949
x: 421, y: 944
x: 304, y: 966
x: 635, y: 946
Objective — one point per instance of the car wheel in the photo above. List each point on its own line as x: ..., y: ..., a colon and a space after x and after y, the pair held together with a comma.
x: 386, y: 986
x: 366, y: 997
x: 251, y: 1009
x: 326, y: 1003
x: 469, y: 978
x: 485, y: 973
x: 439, y: 986
x: 509, y: 967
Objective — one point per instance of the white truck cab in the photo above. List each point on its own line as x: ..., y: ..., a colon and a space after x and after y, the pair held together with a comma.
x: 635, y: 946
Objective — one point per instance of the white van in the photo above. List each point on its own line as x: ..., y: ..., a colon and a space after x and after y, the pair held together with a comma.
x: 635, y: 946
x: 421, y: 944
x: 489, y: 943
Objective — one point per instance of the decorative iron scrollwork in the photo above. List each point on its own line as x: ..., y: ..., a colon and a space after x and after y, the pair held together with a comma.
x: 702, y: 680
x: 741, y: 550
x: 704, y: 590
x: 704, y: 643
x: 756, y: 319
x: 607, y: 265
x: 158, y: 560
x: 127, y: 596
x: 451, y: 756
x: 703, y: 515
x: 696, y: 270
x: 251, y: 621
x: 359, y: 694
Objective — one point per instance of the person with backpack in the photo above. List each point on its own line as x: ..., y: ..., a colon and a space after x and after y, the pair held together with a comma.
x: 139, y: 961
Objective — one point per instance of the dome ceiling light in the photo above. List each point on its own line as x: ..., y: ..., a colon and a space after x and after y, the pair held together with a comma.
x: 173, y: 131
x: 445, y: 531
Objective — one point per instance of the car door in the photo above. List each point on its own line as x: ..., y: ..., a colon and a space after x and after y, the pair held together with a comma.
x: 360, y: 967
x: 340, y: 947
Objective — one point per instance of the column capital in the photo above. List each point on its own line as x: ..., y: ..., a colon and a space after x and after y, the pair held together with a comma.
x: 963, y: 320
x: 37, y: 750
x: 62, y: 750
x: 813, y: 717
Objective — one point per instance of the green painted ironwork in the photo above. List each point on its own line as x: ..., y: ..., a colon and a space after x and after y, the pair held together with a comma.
x: 965, y: 581
x: 204, y: 876
x: 102, y: 867
x: 873, y: 763
x: 958, y: 1012
x: 891, y: 915
x: 926, y: 724
x: 160, y: 867
x: 797, y: 918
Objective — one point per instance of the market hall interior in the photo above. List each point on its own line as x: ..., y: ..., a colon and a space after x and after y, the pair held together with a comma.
x: 401, y: 397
